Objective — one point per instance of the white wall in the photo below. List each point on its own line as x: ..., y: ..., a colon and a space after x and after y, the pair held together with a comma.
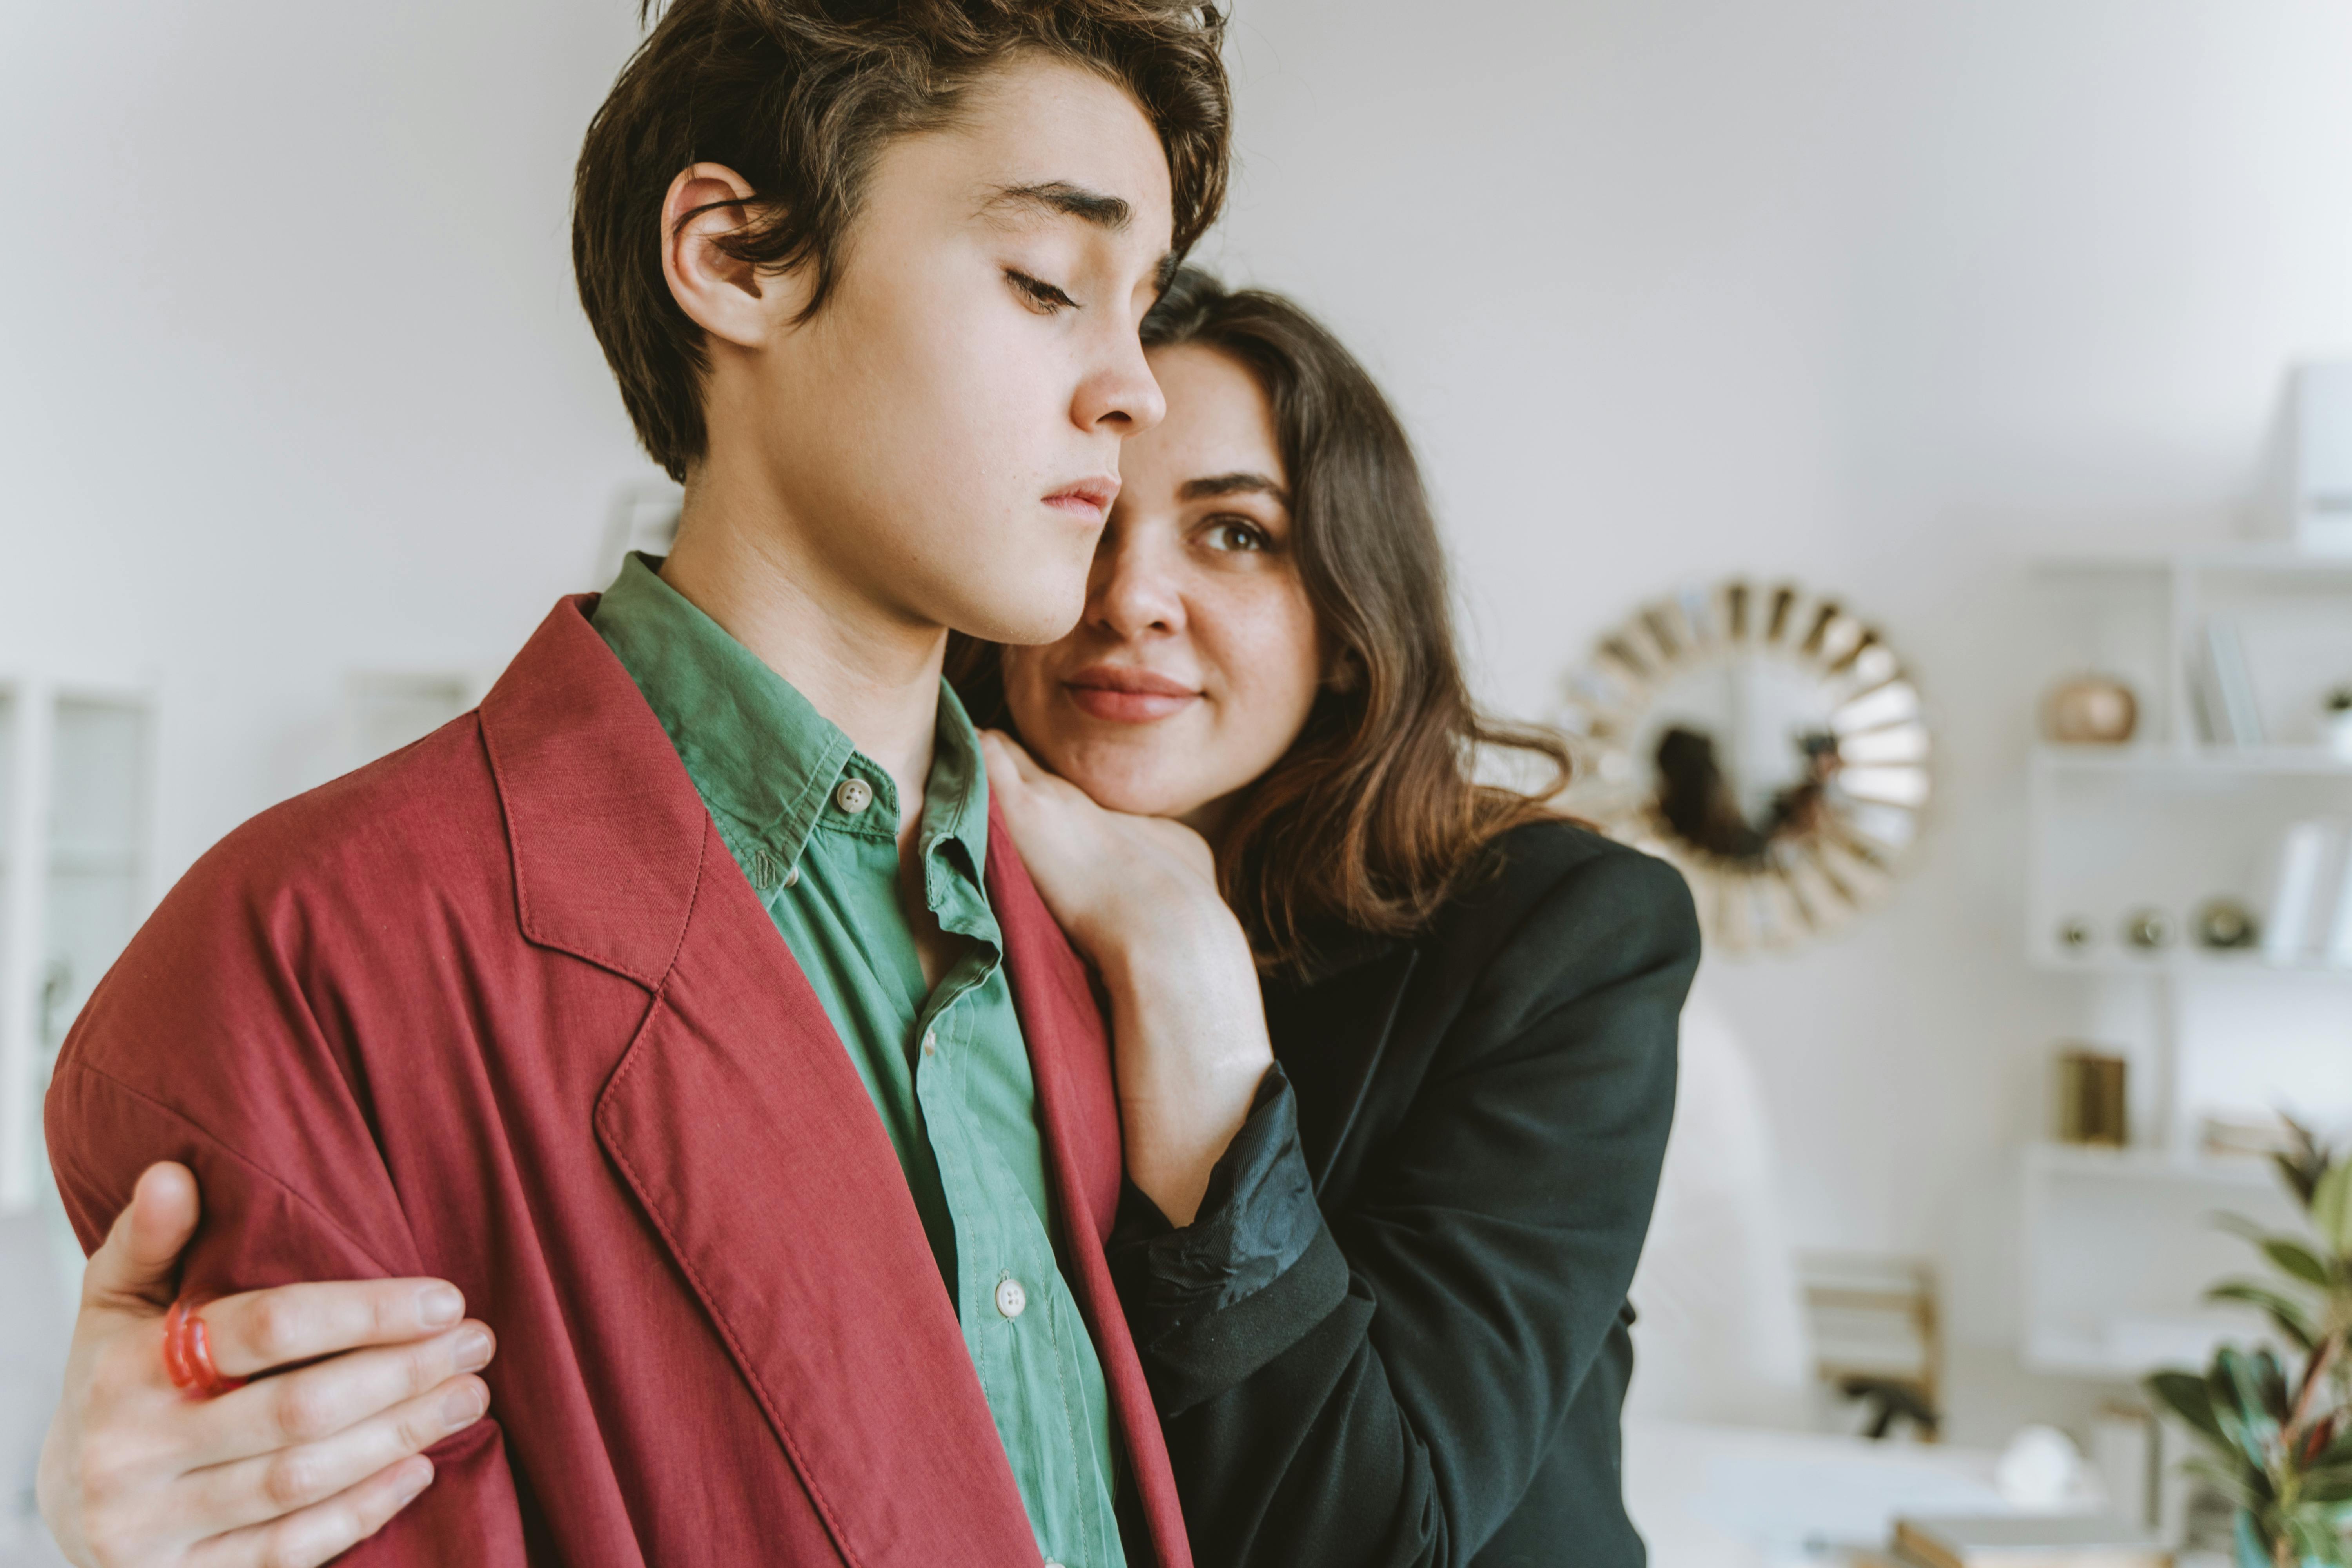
x: 1888, y: 297
x: 291, y: 375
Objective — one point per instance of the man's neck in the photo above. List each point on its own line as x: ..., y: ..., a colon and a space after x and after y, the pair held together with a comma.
x: 862, y: 664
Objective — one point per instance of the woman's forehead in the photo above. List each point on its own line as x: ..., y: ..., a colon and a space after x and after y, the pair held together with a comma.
x: 1219, y: 423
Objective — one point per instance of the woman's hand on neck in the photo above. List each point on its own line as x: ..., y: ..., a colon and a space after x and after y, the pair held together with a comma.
x: 1137, y: 896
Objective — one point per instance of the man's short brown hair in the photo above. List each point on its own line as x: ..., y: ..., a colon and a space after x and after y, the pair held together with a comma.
x: 798, y: 97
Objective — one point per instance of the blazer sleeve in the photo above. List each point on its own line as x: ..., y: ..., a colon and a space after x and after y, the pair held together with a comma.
x: 1383, y: 1393
x: 215, y: 1042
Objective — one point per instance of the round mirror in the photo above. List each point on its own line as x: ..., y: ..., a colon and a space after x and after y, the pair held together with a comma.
x: 1767, y: 742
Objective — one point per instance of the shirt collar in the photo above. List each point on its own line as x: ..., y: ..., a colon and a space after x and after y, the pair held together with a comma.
x: 764, y: 760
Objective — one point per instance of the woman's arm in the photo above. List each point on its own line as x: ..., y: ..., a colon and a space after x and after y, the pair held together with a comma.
x: 1137, y: 896
x: 293, y: 1470
x: 1387, y: 1397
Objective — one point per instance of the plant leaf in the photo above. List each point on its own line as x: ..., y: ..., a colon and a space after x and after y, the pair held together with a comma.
x: 2185, y: 1393
x: 2329, y: 1486
x: 2230, y: 1482
x: 2302, y: 1163
x: 2296, y: 1259
x: 2252, y: 1551
x: 2270, y: 1383
x: 2285, y: 1312
x: 2239, y: 1405
x: 2331, y: 1207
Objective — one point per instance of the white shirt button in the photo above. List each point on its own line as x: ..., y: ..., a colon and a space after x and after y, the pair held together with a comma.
x: 930, y: 1042
x: 1011, y: 1300
x: 854, y: 796
x: 791, y: 875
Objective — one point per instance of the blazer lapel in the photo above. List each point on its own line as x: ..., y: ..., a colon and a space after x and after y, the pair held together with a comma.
x: 738, y: 1121
x: 1340, y: 1025
x: 1077, y: 1106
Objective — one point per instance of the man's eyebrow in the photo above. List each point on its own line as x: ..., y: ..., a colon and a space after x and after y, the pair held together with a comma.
x: 1063, y: 199
x: 1235, y: 484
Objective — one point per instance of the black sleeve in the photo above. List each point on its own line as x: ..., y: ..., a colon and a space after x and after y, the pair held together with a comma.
x: 1376, y: 1384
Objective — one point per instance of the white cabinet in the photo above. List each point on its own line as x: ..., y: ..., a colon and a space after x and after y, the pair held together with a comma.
x: 76, y: 879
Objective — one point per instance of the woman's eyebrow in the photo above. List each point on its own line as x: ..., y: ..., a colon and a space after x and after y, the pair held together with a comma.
x: 1234, y: 484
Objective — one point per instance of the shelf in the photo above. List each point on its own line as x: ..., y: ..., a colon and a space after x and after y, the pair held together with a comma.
x: 2178, y: 961
x: 2276, y: 558
x: 2091, y: 1162
x: 2276, y: 761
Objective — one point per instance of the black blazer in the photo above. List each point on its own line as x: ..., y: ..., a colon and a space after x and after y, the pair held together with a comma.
x: 1396, y: 1332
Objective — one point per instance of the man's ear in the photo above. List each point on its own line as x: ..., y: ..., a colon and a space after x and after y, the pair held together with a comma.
x: 730, y: 299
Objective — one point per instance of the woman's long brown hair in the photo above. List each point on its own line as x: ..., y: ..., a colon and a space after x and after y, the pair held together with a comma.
x: 1373, y: 817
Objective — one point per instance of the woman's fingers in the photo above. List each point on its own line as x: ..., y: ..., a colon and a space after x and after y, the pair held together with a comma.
x: 134, y: 1267
x: 264, y: 1328
x: 323, y: 1530
x: 271, y: 1484
x: 300, y: 1408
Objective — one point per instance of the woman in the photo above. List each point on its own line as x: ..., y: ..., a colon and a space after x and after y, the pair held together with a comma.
x: 1429, y: 1023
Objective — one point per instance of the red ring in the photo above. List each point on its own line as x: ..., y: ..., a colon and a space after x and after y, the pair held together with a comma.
x: 188, y: 1354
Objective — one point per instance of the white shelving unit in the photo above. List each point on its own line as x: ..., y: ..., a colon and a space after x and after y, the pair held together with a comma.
x: 2119, y: 1244
x: 76, y: 878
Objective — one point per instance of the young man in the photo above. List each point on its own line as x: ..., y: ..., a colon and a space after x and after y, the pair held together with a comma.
x: 680, y: 1006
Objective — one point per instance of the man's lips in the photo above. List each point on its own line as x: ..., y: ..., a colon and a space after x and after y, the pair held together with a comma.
x: 1122, y: 695
x: 1088, y: 499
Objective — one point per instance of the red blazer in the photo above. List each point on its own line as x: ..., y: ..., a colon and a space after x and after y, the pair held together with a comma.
x: 500, y: 1008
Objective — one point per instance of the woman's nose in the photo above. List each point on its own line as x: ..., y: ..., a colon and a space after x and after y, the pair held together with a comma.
x: 1137, y: 586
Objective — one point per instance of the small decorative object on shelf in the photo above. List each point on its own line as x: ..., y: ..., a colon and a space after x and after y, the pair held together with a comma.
x: 2227, y: 924
x: 2278, y: 1423
x: 2091, y: 1098
x: 2338, y: 727
x: 2090, y: 711
x: 2148, y: 930
x: 2075, y: 935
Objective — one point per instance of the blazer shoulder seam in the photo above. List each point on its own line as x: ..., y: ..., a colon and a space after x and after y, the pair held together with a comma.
x: 234, y: 1153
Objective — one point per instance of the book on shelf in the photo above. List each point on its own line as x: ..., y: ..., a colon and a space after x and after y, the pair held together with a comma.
x: 2225, y: 690
x: 2027, y: 1540
x: 2310, y: 895
x: 2339, y: 951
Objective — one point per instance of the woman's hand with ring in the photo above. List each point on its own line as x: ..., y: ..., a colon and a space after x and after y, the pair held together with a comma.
x: 291, y: 1469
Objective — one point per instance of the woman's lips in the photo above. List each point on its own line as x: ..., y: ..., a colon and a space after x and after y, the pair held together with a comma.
x: 1122, y: 695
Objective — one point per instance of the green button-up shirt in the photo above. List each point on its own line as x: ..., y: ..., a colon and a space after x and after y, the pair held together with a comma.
x: 814, y: 824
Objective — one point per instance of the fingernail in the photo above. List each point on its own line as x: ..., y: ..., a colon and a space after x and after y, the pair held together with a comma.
x: 464, y: 1406
x: 440, y: 1305
x: 418, y: 1478
x: 473, y: 1350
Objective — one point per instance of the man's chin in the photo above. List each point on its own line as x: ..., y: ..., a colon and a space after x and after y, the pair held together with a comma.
x: 1024, y: 615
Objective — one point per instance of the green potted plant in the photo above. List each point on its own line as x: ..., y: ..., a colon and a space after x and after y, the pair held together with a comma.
x: 2278, y: 1422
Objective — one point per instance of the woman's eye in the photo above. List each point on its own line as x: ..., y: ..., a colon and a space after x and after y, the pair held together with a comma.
x: 1039, y: 295
x: 1233, y: 533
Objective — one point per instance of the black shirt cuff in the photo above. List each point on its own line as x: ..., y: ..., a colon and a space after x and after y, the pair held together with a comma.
x: 1212, y: 1302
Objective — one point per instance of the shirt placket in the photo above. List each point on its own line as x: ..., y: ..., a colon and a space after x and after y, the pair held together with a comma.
x: 1005, y: 1292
